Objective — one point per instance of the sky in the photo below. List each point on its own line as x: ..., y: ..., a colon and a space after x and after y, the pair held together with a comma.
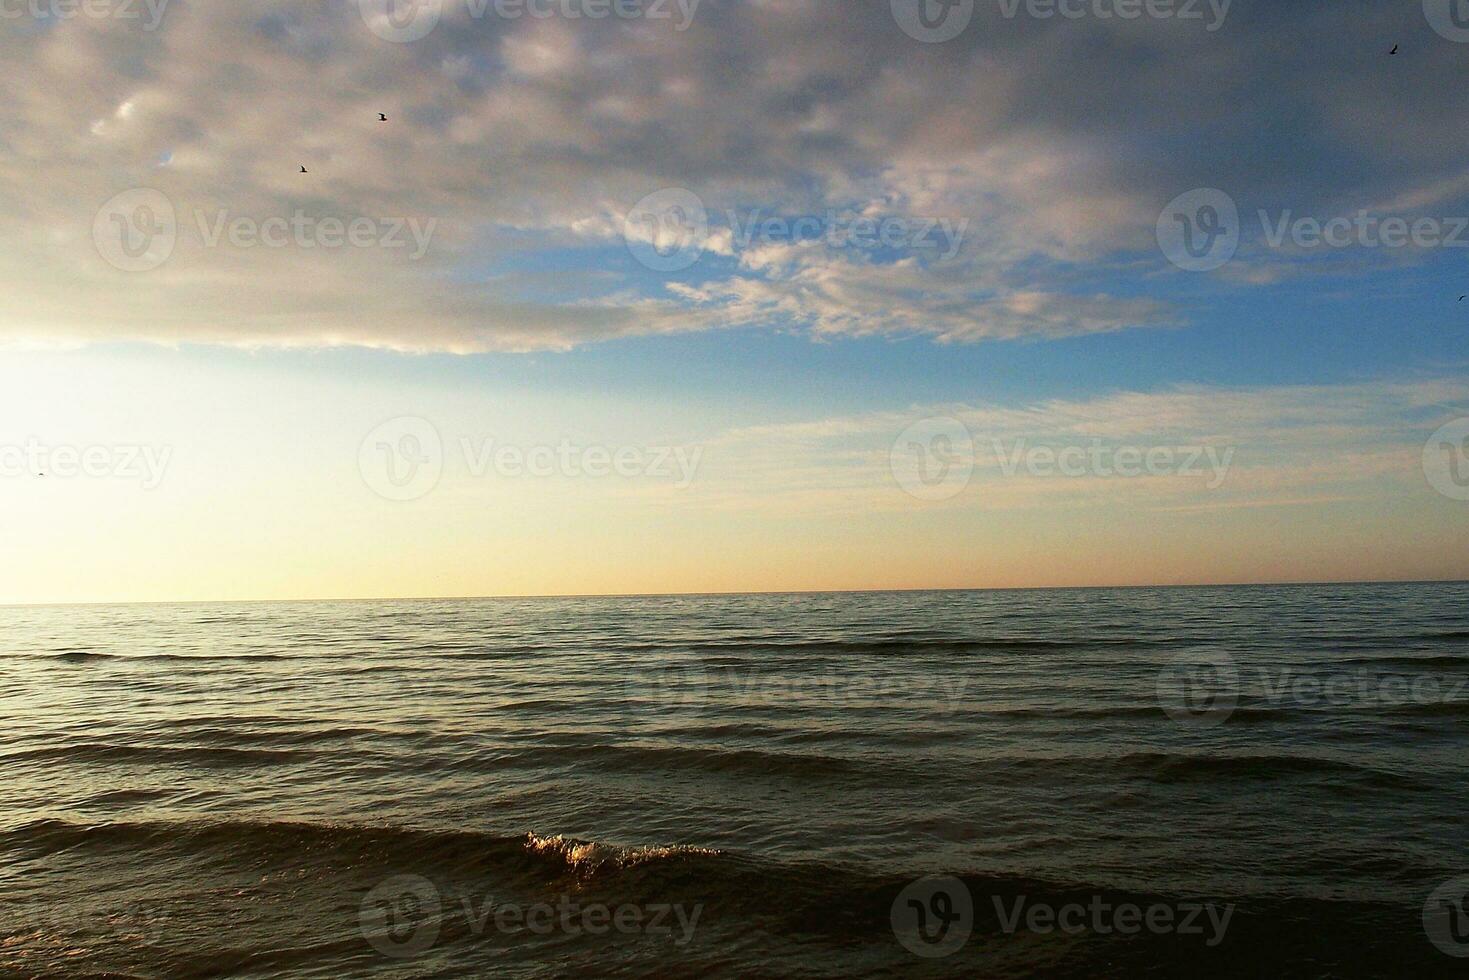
x: 630, y: 296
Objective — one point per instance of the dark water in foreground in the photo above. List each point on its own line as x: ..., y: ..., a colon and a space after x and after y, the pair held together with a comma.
x: 740, y: 786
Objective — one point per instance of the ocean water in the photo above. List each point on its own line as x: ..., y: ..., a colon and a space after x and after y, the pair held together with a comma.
x: 1261, y: 781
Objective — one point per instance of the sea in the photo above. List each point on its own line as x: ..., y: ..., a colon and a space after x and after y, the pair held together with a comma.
x: 1223, y: 781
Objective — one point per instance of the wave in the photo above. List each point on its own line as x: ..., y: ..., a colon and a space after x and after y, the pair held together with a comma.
x: 892, y: 645
x: 1433, y: 709
x: 447, y: 853
x: 593, y: 857
x: 1180, y: 767
x: 756, y: 916
x: 838, y: 894
x: 159, y: 754
x: 1243, y: 714
x: 553, y: 751
x: 87, y: 656
x: 77, y: 656
x: 1421, y: 660
x: 664, y: 758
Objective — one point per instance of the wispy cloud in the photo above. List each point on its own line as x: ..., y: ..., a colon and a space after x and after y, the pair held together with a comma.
x: 1226, y: 449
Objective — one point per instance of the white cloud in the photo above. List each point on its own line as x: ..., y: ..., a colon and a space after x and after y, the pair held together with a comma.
x: 1283, y: 446
x: 521, y: 136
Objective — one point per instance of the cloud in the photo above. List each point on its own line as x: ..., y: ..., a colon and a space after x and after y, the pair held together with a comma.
x: 1053, y: 142
x: 1249, y: 447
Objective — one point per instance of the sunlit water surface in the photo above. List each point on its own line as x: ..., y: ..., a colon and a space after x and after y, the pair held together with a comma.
x: 240, y: 789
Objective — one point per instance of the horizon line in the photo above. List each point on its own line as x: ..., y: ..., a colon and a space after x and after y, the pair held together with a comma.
x: 755, y: 592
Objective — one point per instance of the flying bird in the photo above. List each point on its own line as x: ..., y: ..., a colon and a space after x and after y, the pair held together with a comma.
x: 1394, y: 49
x: 1461, y: 299
x: 382, y: 117
x: 303, y: 170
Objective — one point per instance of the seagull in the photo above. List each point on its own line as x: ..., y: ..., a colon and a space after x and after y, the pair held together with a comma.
x: 1461, y: 299
x: 1394, y: 49
x: 303, y: 170
x: 382, y: 117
